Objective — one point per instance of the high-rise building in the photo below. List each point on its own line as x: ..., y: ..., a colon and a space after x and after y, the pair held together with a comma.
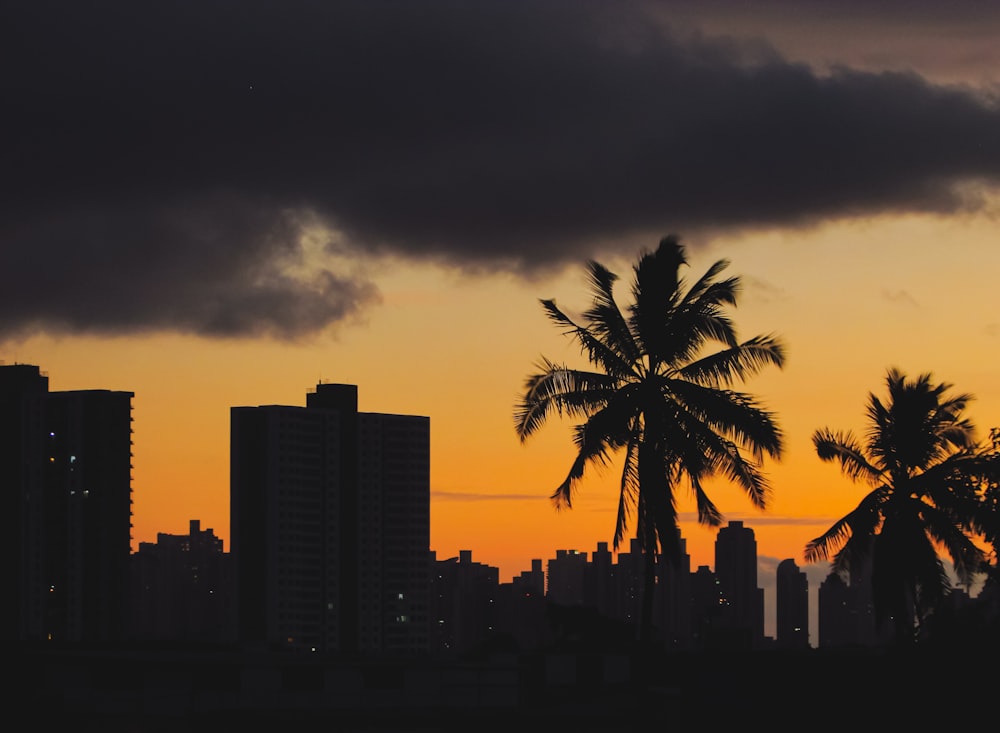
x: 464, y: 604
x: 707, y: 607
x: 792, y: 606
x: 566, y: 578
x: 66, y: 472
x: 181, y: 588
x: 837, y: 614
x: 330, y: 525
x: 736, y: 569
x: 672, y: 602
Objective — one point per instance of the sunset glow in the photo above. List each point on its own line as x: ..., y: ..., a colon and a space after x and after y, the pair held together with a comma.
x: 257, y: 251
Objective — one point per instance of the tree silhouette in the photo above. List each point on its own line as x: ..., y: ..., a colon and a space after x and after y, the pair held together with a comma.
x: 659, y: 398
x: 987, y: 521
x: 921, y: 459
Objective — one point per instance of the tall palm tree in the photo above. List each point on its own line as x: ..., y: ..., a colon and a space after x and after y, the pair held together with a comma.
x: 919, y: 455
x: 658, y: 395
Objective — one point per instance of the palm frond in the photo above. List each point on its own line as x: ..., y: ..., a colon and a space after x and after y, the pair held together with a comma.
x: 708, y: 513
x: 695, y: 323
x: 557, y: 389
x: 605, y: 431
x: 629, y: 492
x: 707, y: 290
x: 967, y: 557
x: 597, y: 351
x: 860, y: 522
x: 588, y: 451
x: 726, y: 367
x: 605, y: 319
x: 704, y: 450
x: 734, y: 415
x: 655, y: 284
x: 846, y: 449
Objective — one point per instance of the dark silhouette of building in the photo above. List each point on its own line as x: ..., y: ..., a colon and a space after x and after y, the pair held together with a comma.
x: 846, y: 615
x: 736, y: 570
x: 707, y: 607
x: 66, y: 469
x: 599, y: 589
x: 837, y: 614
x: 672, y: 603
x: 629, y: 584
x: 521, y: 615
x: 567, y: 578
x: 182, y: 588
x: 792, y: 606
x: 330, y: 526
x: 22, y: 390
x: 464, y: 609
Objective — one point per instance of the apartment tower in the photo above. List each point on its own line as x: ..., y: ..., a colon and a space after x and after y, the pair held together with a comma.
x: 66, y: 476
x: 330, y: 512
x: 736, y: 569
x: 792, y: 606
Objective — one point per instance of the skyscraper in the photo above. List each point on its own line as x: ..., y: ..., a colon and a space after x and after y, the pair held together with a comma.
x: 330, y: 511
x: 736, y: 569
x: 66, y: 473
x: 792, y: 606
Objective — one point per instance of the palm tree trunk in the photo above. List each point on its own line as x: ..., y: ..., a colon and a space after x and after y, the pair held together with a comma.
x: 648, y: 589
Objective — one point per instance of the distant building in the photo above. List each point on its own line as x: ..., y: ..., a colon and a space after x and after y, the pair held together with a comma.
x: 599, y: 588
x: 521, y: 608
x: 792, y: 606
x: 330, y: 525
x: 66, y: 473
x: 736, y: 569
x: 708, y: 607
x: 629, y: 584
x: 838, y: 621
x: 846, y: 615
x: 182, y: 588
x: 672, y: 603
x: 464, y: 608
x: 567, y: 578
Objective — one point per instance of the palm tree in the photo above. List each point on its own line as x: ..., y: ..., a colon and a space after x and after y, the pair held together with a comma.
x: 920, y: 457
x: 659, y: 398
x: 987, y: 485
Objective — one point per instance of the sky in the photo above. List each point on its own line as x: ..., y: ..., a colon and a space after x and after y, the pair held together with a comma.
x: 219, y: 203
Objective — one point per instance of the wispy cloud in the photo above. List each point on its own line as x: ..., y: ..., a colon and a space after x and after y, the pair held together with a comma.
x: 899, y: 296
x: 766, y: 520
x: 485, y: 496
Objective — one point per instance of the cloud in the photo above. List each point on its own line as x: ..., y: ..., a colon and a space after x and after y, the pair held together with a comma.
x: 217, y: 267
x: 484, y: 496
x: 162, y: 159
x: 899, y: 296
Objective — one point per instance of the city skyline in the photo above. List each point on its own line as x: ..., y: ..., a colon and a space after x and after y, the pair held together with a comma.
x: 230, y: 226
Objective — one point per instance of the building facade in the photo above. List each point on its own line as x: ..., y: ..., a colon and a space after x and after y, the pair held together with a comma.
x: 791, y: 606
x: 330, y: 526
x: 66, y: 471
x: 181, y: 588
x: 736, y: 570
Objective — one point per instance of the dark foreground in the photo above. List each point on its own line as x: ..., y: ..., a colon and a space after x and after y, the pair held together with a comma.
x: 147, y: 691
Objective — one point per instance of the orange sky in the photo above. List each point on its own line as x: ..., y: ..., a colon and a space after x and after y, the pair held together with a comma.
x: 333, y: 192
x: 849, y: 300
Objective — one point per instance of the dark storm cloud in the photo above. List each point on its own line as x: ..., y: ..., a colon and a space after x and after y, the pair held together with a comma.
x: 159, y: 159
